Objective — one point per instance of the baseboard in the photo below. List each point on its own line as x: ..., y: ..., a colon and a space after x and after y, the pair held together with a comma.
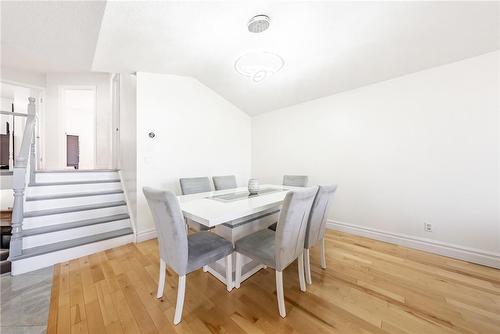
x: 146, y: 235
x: 489, y: 259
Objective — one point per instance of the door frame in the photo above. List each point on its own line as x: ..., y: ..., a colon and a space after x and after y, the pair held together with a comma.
x: 62, y: 121
x: 115, y: 121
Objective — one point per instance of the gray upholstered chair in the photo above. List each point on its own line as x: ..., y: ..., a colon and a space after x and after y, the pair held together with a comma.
x: 278, y: 249
x: 224, y: 182
x: 181, y: 252
x: 194, y: 185
x: 292, y: 181
x: 295, y: 180
x: 316, y: 226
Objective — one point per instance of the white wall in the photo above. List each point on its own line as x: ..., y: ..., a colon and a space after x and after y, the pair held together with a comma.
x: 419, y: 148
x: 15, y: 76
x: 198, y: 133
x: 128, y: 140
x: 53, y: 129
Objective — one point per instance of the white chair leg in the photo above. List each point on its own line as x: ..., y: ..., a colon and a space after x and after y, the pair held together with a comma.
x: 307, y: 266
x: 229, y: 272
x: 302, y: 281
x: 279, y: 293
x: 237, y: 280
x: 161, y: 279
x: 205, y: 269
x: 181, y: 289
x: 322, y: 254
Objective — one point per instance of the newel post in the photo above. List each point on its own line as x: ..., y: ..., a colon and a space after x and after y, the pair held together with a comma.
x: 18, y: 185
x: 19, y: 180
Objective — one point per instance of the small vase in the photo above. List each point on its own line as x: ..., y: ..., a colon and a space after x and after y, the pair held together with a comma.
x: 253, y: 186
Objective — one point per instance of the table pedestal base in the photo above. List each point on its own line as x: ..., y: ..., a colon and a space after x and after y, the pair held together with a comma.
x: 236, y: 230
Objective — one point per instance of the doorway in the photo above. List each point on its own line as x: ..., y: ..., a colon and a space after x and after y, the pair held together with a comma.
x: 14, y: 107
x: 78, y: 120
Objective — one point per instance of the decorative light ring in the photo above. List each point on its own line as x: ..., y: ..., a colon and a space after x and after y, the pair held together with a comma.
x: 258, y: 65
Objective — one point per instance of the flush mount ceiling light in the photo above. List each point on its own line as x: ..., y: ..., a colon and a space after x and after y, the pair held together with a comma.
x: 259, y: 23
x: 258, y: 65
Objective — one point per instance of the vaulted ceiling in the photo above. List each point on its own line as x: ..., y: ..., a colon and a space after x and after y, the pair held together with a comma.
x: 50, y: 36
x: 327, y: 47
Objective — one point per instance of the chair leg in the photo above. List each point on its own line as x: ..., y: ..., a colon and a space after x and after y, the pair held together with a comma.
x: 229, y: 272
x: 279, y: 293
x: 237, y: 280
x: 322, y: 254
x: 161, y: 279
x: 302, y: 281
x: 205, y: 269
x: 181, y: 289
x: 307, y: 266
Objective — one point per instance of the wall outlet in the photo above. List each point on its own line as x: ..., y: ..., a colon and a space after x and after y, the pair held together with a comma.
x: 428, y: 227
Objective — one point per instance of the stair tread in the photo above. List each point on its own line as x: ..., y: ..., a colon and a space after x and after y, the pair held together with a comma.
x: 66, y: 244
x: 75, y: 224
x: 69, y: 195
x: 64, y: 183
x: 50, y: 171
x: 72, y: 209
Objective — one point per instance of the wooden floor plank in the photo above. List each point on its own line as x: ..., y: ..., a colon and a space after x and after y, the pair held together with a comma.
x: 54, y: 301
x: 368, y: 287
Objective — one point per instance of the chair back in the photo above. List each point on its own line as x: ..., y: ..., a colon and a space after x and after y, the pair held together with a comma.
x: 292, y: 224
x: 295, y: 180
x: 319, y: 214
x: 170, y: 228
x: 224, y: 182
x: 194, y: 185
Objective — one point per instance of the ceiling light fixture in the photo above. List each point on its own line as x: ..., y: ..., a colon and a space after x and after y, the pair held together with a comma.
x: 258, y: 65
x: 258, y: 23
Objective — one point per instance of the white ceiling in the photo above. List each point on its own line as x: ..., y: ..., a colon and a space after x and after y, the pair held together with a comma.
x: 56, y: 36
x: 328, y: 47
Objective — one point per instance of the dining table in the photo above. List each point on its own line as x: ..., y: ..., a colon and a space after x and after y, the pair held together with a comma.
x: 234, y: 214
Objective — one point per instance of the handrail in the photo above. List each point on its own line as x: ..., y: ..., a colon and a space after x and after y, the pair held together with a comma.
x: 26, y: 155
x: 10, y: 113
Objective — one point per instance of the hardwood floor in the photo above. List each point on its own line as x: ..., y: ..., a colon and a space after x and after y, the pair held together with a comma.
x: 368, y: 287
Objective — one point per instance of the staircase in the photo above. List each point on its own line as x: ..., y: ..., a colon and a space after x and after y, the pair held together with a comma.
x: 69, y: 214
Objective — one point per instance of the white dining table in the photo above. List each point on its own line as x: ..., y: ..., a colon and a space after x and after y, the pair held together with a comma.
x: 234, y: 214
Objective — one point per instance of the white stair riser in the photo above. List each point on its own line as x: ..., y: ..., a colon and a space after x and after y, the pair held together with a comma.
x: 78, y: 176
x: 40, y: 221
x: 72, y: 188
x: 74, y: 233
x: 41, y: 261
x: 71, y: 201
